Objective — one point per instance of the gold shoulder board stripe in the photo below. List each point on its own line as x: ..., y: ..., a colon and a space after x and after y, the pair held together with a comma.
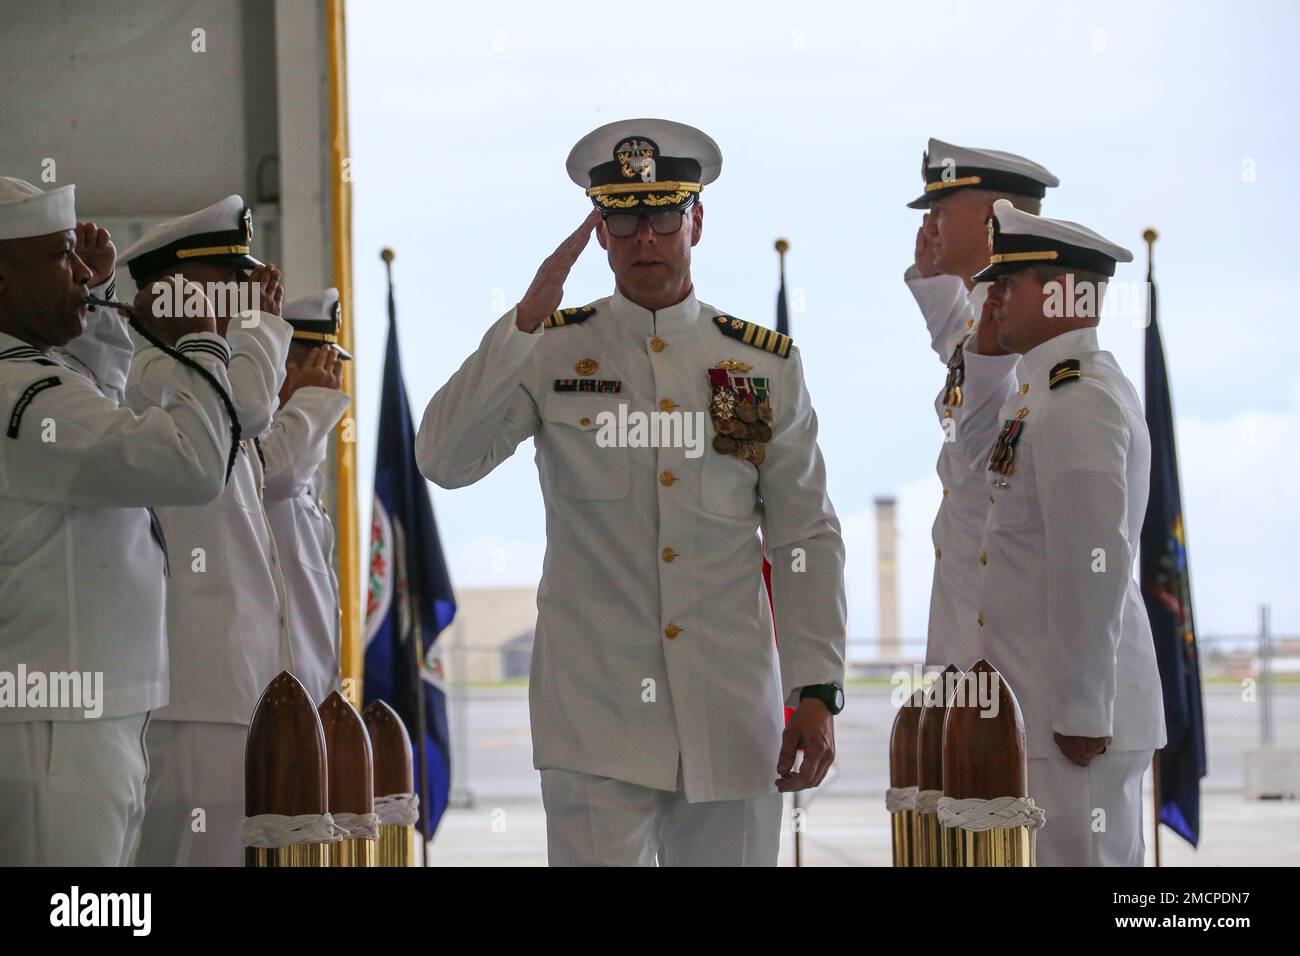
x: 756, y: 335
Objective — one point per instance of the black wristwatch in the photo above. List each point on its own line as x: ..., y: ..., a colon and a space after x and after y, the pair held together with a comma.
x: 832, y: 695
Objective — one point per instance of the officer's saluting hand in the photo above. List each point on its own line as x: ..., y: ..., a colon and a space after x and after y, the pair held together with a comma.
x: 547, y: 290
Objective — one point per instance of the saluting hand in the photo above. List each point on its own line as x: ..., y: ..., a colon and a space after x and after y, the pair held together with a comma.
x: 925, y: 255
x: 271, y: 293
x: 95, y: 248
x: 323, y: 368
x: 544, y: 295
x: 1081, y: 750
x: 812, y: 728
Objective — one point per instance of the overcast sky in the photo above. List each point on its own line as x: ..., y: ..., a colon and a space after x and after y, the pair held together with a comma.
x: 1177, y: 116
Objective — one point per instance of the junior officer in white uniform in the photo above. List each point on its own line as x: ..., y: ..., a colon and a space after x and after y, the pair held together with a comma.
x: 82, y: 589
x: 295, y: 446
x: 1060, y: 612
x: 657, y: 689
x: 226, y: 619
x: 961, y: 185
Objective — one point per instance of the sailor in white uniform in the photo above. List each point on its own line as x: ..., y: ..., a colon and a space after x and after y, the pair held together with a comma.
x: 668, y: 433
x: 82, y: 594
x: 961, y: 185
x: 295, y: 447
x: 226, y: 617
x: 1060, y: 613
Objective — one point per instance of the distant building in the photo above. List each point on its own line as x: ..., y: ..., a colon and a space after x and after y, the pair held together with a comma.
x: 887, y: 577
x: 492, y: 635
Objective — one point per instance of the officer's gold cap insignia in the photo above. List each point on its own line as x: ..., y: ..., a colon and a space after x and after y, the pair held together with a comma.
x: 1063, y: 372
x: 575, y: 316
x: 753, y: 334
x: 586, y: 366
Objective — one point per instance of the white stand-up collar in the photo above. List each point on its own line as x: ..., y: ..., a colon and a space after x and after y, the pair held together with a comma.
x: 643, y: 322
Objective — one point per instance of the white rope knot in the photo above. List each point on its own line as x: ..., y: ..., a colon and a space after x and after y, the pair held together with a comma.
x: 1000, y: 813
x: 900, y: 799
x: 398, y: 809
x: 927, y: 801
x: 364, y: 826
x: 271, y: 831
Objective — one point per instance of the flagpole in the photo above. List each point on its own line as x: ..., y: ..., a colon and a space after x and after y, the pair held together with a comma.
x: 1150, y: 235
x: 417, y: 645
x: 782, y: 246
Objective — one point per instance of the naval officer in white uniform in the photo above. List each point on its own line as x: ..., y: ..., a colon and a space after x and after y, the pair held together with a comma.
x: 226, y: 621
x: 657, y: 687
x: 961, y: 185
x: 295, y: 447
x: 82, y: 589
x: 1060, y: 613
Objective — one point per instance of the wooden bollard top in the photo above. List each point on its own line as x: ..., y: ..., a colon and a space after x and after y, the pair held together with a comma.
x: 390, y: 747
x: 984, y: 756
x: 347, y: 745
x: 929, y: 737
x: 284, y: 756
x: 902, y: 742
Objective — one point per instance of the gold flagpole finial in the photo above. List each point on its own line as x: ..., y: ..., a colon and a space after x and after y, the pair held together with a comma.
x: 387, y: 254
x: 1150, y: 235
x: 782, y: 245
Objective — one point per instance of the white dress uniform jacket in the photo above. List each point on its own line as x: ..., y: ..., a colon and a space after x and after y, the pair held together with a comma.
x: 968, y: 429
x: 654, y: 640
x: 1062, y: 616
x: 294, y: 447
x: 225, y: 608
x: 82, y: 582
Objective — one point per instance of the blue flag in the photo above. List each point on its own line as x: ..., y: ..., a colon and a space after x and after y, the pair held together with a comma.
x: 409, y: 600
x: 1167, y: 592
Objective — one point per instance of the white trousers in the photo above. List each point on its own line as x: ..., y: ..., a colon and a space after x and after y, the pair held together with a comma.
x: 195, y: 802
x: 1094, y: 813
x: 599, y: 821
x: 71, y: 792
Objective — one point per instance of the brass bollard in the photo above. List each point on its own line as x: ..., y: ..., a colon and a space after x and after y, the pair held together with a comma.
x: 351, y: 776
x: 284, y: 769
x: 984, y: 759
x: 902, y: 774
x: 394, y: 775
x: 935, y: 846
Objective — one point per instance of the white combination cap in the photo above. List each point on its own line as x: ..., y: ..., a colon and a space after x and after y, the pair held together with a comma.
x: 945, y: 167
x: 644, y: 164
x: 220, y: 233
x: 1018, y: 240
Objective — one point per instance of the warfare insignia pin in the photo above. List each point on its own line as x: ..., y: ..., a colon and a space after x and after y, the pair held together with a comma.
x: 586, y: 366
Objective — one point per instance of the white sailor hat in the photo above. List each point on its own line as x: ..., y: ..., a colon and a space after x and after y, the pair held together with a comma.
x: 27, y: 210
x: 945, y: 168
x: 1018, y: 240
x: 316, y: 319
x: 644, y: 164
x: 220, y: 233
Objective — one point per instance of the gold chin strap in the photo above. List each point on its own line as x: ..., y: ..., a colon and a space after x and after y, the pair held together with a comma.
x: 1044, y: 256
x: 668, y: 186
x: 212, y: 251
x: 317, y: 337
x: 950, y: 183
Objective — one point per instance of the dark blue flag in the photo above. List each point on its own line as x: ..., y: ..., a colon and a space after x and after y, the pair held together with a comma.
x: 1167, y: 592
x: 409, y: 599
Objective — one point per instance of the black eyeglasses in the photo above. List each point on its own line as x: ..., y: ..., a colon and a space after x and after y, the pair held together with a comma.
x: 665, y: 223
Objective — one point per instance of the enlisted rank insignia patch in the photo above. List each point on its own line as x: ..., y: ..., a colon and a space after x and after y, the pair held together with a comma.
x: 25, y: 399
x: 588, y: 385
x: 569, y: 316
x: 25, y: 353
x: 1002, y: 458
x: 753, y: 334
x: 1063, y: 372
x: 741, y: 409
